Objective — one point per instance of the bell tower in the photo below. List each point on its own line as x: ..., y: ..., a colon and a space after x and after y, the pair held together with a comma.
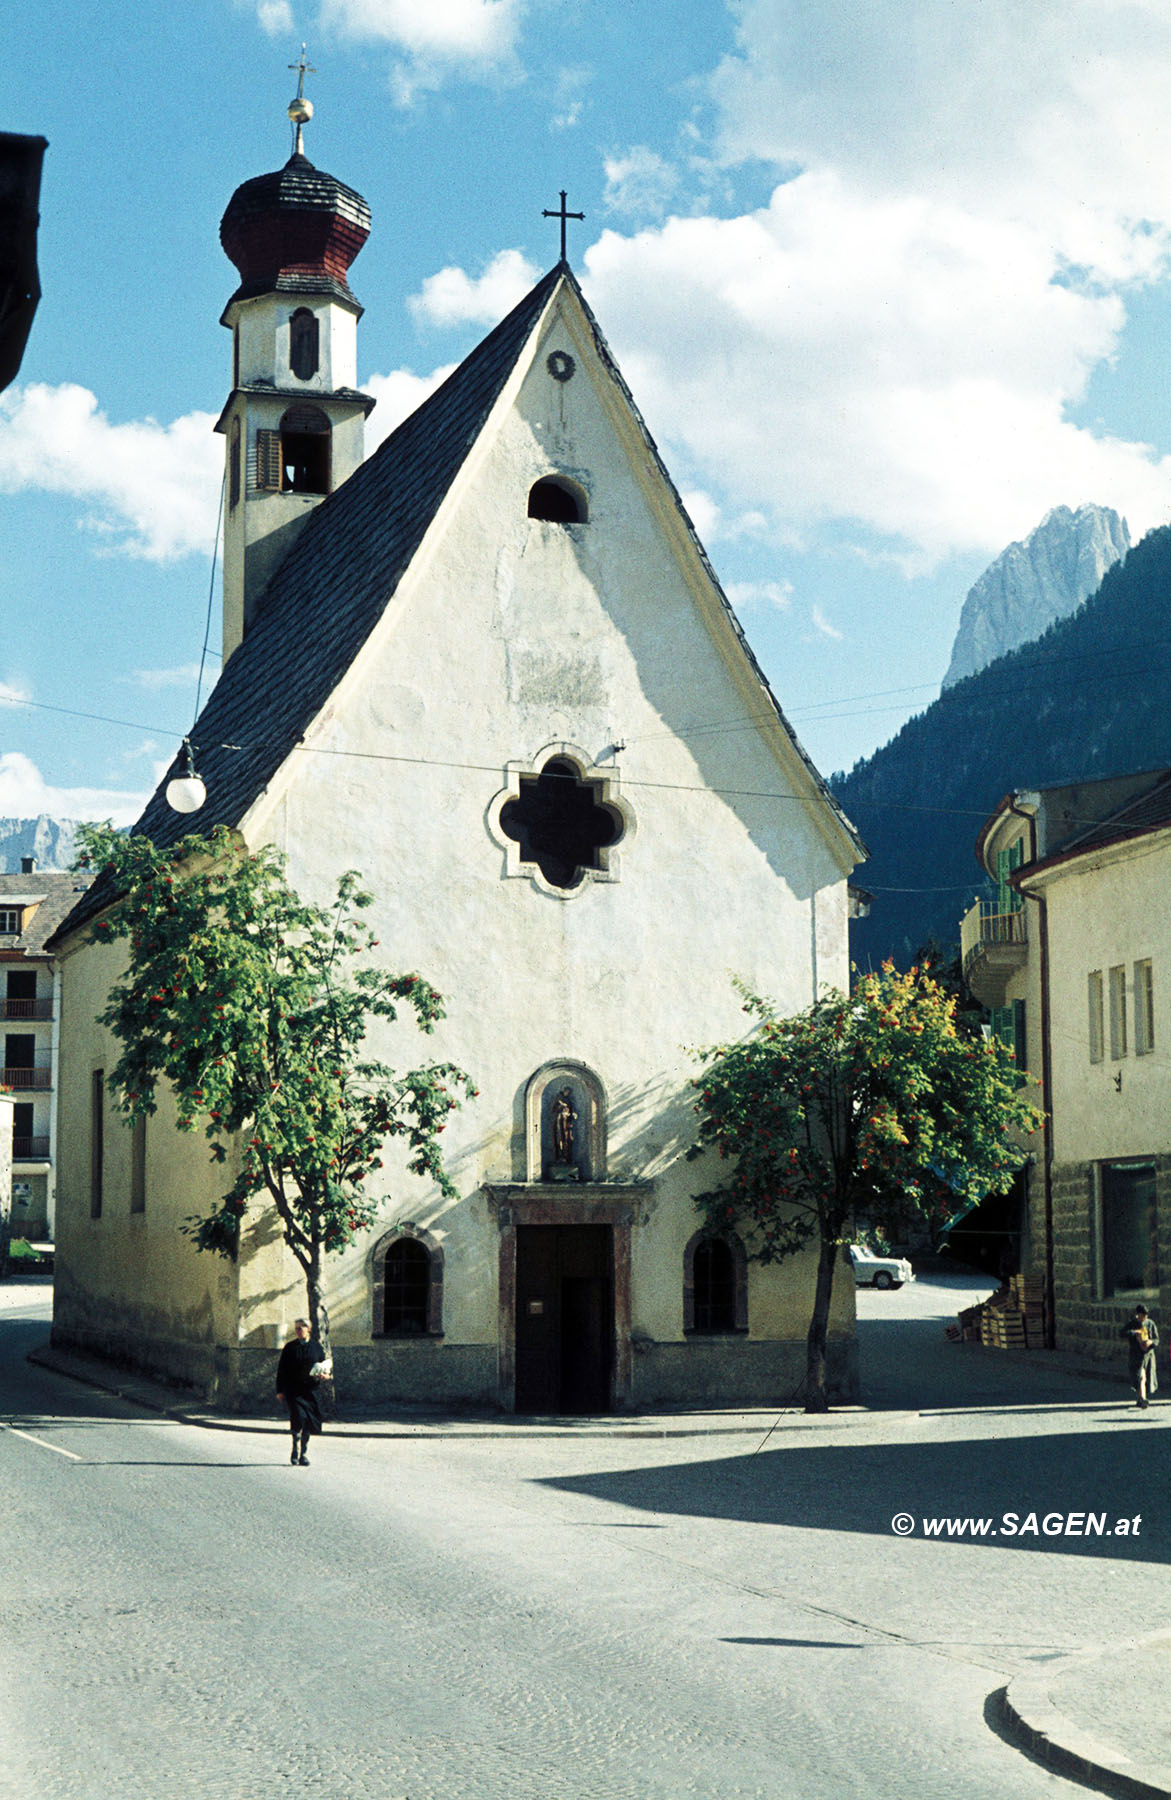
x: 294, y: 420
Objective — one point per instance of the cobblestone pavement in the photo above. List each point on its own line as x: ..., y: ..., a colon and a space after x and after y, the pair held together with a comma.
x: 506, y: 1613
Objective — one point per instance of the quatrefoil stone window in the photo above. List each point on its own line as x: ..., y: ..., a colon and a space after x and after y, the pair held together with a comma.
x: 560, y: 820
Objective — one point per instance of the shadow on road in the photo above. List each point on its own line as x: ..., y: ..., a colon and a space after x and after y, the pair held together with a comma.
x: 860, y: 1487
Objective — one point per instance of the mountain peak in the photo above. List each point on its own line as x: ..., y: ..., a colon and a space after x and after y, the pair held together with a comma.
x: 1044, y: 577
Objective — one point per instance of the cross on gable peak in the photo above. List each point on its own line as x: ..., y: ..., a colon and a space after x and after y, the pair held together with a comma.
x: 563, y: 214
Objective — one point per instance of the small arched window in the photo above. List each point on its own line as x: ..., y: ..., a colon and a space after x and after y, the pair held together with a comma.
x: 305, y: 459
x: 304, y: 343
x: 559, y: 501
x: 715, y: 1285
x: 408, y: 1285
x: 234, y: 464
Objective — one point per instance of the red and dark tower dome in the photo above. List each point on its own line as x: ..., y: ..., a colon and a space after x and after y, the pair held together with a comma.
x: 295, y: 231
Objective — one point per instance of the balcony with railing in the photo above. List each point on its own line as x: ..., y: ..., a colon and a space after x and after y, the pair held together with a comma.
x: 994, y: 944
x: 30, y: 1149
x: 28, y: 1009
x: 21, y: 1080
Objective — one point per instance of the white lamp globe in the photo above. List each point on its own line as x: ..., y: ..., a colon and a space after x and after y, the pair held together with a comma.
x: 185, y: 791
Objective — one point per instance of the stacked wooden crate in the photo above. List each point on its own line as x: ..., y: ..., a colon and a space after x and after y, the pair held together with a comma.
x: 1028, y: 1291
x: 1002, y: 1325
x: 1013, y: 1319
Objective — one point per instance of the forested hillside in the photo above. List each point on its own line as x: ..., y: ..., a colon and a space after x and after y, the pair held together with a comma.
x: 1091, y: 697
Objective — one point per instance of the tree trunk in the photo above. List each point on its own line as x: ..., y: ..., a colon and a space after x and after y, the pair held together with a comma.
x: 318, y: 1313
x: 319, y: 1321
x: 816, y: 1398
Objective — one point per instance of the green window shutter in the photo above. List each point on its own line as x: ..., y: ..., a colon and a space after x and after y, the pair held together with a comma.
x: 1007, y: 898
x: 1020, y: 1042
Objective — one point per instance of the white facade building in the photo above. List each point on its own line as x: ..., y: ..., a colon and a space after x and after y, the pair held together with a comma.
x: 486, y: 674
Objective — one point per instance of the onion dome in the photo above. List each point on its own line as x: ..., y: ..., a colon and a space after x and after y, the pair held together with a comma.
x: 294, y: 231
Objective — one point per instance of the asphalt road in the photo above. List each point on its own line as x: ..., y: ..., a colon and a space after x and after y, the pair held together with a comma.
x: 508, y: 1612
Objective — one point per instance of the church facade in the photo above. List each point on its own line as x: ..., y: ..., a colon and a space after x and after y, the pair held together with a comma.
x: 491, y: 668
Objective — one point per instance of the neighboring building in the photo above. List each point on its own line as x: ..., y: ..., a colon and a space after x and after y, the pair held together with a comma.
x: 32, y: 905
x: 484, y: 674
x: 1062, y: 915
x: 20, y: 289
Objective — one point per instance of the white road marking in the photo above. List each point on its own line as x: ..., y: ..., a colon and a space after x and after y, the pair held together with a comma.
x: 43, y: 1442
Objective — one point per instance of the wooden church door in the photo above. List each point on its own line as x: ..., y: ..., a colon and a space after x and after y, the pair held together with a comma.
x: 564, y: 1318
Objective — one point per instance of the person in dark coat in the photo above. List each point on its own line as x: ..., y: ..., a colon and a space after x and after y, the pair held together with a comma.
x: 298, y: 1389
x: 1142, y: 1335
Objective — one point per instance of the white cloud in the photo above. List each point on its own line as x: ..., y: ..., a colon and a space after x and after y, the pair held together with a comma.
x: 150, y: 490
x: 822, y: 624
x: 568, y: 97
x: 185, y: 675
x: 452, y: 297
x: 275, y: 17
x: 13, y: 693
x: 966, y: 197
x: 639, y: 182
x: 745, y: 595
x: 1053, y: 113
x: 24, y: 793
x: 895, y: 362
x: 438, y: 38
x: 398, y: 395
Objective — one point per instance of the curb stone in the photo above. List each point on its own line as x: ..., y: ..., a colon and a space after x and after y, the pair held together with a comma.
x: 1031, y: 1717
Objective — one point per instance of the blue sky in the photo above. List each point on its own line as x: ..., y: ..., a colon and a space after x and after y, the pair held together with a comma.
x: 889, y: 279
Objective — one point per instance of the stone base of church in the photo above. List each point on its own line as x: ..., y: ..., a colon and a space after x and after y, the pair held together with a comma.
x: 736, y: 1371
x: 422, y: 1372
x: 708, y: 1372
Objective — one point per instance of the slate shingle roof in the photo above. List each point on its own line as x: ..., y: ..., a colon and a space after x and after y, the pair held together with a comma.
x: 326, y: 597
x: 330, y: 591
x: 1151, y: 811
x: 58, y: 894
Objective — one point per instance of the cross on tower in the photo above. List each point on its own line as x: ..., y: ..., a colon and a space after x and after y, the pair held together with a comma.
x: 562, y: 215
x: 303, y: 68
x: 300, y: 109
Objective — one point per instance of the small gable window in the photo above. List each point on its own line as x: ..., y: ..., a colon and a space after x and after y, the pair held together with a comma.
x: 561, y: 502
x: 304, y: 343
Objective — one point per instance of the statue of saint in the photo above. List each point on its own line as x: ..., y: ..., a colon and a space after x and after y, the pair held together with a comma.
x: 564, y: 1120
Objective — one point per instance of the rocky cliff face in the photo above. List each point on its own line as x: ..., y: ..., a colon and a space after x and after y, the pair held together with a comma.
x: 51, y: 841
x: 1046, y: 577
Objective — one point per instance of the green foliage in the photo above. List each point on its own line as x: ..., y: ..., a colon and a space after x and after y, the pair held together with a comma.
x: 253, y: 1006
x: 881, y: 1105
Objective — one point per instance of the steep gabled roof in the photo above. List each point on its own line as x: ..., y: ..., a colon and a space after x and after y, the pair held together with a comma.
x: 325, y: 598
x: 344, y: 568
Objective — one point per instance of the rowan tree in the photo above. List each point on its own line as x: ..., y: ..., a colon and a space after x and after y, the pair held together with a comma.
x: 252, y: 1006
x: 879, y: 1105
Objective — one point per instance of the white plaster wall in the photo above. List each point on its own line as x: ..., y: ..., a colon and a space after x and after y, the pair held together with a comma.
x: 263, y: 327
x: 509, y: 634
x: 127, y: 1273
x: 1101, y: 913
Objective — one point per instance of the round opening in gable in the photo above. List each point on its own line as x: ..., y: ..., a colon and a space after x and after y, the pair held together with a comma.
x: 557, y: 501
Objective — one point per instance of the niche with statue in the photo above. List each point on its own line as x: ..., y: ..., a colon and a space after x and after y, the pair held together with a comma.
x: 565, y: 1125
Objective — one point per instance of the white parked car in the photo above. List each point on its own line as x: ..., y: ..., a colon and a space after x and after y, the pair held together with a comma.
x: 873, y: 1270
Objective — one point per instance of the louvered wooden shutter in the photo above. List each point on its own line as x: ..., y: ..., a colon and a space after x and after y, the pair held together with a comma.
x: 268, y: 461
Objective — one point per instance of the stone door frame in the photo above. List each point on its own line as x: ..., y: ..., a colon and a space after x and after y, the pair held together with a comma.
x: 547, y: 1203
